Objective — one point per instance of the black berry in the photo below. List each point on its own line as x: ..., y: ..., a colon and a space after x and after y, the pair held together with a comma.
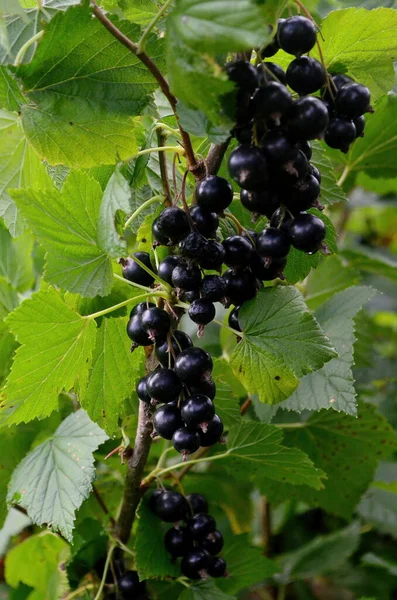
x: 192, y: 365
x: 186, y: 441
x: 340, y: 133
x: 186, y: 277
x: 307, y: 232
x: 308, y: 118
x: 263, y: 202
x: 241, y: 286
x: 201, y: 525
x: 167, y: 266
x: 177, y: 542
x: 273, y: 243
x: 134, y: 272
x: 238, y: 251
x: 214, y: 193
x: 166, y: 420
x: 193, y: 246
x: 138, y: 309
x: 213, y: 288
x: 172, y: 223
x: 272, y: 100
x: 213, y: 433
x: 156, y: 322
x: 142, y: 391
x: 306, y: 75
x: 198, y: 503
x: 213, y: 256
x: 296, y: 35
x: 202, y: 311
x: 195, y: 563
x: 243, y: 74
x: 213, y: 543
x: 216, y: 567
x: 233, y: 319
x: 197, y: 409
x: 163, y: 385
x: 205, y: 222
x: 278, y: 148
x: 276, y: 73
x: 248, y: 167
x: 206, y: 387
x: 171, y: 507
x: 353, y: 100
x: 179, y: 341
x: 136, y: 333
x: 129, y: 584
x: 359, y: 123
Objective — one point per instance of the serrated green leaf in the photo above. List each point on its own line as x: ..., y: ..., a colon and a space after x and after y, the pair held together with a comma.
x: 370, y: 261
x: 14, y: 524
x: 378, y: 506
x: 16, y: 261
x: 114, y: 371
x: 116, y: 197
x: 83, y: 87
x: 55, y: 354
x: 196, y: 123
x: 11, y: 97
x: 204, y: 590
x: 332, y: 276
x: 141, y: 12
x: 8, y: 345
x: 281, y: 342
x: 66, y: 222
x: 54, y: 479
x: 333, y: 385
x: 331, y: 192
x: 228, y: 392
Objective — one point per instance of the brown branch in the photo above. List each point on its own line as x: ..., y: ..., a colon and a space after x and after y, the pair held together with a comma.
x: 266, y: 526
x: 103, y: 506
x: 197, y: 168
x: 161, y: 141
x: 215, y: 157
x: 245, y: 406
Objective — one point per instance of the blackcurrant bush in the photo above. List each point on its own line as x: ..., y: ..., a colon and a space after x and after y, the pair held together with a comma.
x: 193, y: 246
x: 177, y: 542
x: 238, y: 251
x: 197, y: 409
x: 171, y: 507
x: 278, y: 148
x: 306, y: 75
x: 248, y: 167
x: 243, y: 74
x: 172, y: 223
x: 179, y: 341
x: 353, y: 100
x: 308, y: 118
x: 156, y: 322
x: 186, y: 441
x: 276, y: 73
x: 195, y: 563
x: 205, y: 222
x: 136, y: 333
x: 138, y: 309
x: 213, y: 434
x: 186, y: 277
x: 296, y: 35
x: 166, y: 420
x: 163, y: 385
x: 192, y: 365
x: 214, y: 193
x: 359, y: 123
x: 213, y: 256
x: 206, y: 387
x: 167, y: 266
x: 134, y: 272
x: 340, y: 133
x: 233, y: 319
x: 141, y: 390
x: 213, y: 543
x: 263, y: 202
x: 241, y: 286
x: 315, y: 172
x: 129, y: 584
x: 202, y: 311
x: 307, y: 233
x: 273, y: 243
x: 213, y: 288
x: 306, y: 148
x: 272, y: 100
x: 216, y: 567
x: 198, y: 503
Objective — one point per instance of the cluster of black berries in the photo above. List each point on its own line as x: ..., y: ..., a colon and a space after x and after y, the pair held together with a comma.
x: 194, y: 537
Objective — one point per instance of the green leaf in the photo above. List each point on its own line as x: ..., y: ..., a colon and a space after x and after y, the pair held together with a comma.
x: 83, y: 87
x: 370, y: 261
x: 20, y: 167
x: 281, y: 343
x: 204, y: 590
x: 66, y: 222
x: 332, y: 276
x: 373, y: 560
x: 45, y: 574
x: 54, y: 479
x: 16, y: 262
x: 117, y: 197
x: 14, y: 524
x: 363, y: 44
x: 196, y: 123
x: 11, y: 97
x: 333, y: 385
x: 228, y: 392
x: 114, y: 371
x: 254, y: 449
x: 55, y: 354
x: 151, y: 557
x: 331, y: 193
x: 142, y: 11
x: 378, y: 506
x: 323, y: 555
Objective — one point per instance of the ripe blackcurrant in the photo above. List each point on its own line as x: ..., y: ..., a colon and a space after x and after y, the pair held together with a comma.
x: 213, y: 288
x: 248, y: 167
x: 266, y: 272
x: 186, y: 441
x: 156, y: 322
x: 141, y: 390
x: 200, y: 525
x: 272, y: 100
x: 308, y: 118
x: 214, y: 193
x: 306, y: 148
x: 205, y: 222
x: 159, y: 238
x: 193, y: 246
x: 306, y: 75
x: 273, y: 243
x: 202, y: 311
x: 307, y: 232
x: 359, y: 124
x: 213, y: 256
x: 276, y: 73
x: 233, y: 319
x: 134, y: 272
x: 216, y: 567
x: 163, y: 385
x: 303, y: 195
x: 213, y: 433
x: 167, y: 266
x: 272, y: 48
x: 315, y: 172
x: 243, y: 133
x: 179, y: 341
x: 296, y: 35
x: 353, y: 100
x: 340, y: 133
x: 129, y: 584
x: 213, y: 543
x: 191, y: 295
x: 206, y: 387
x: 155, y: 494
x: 197, y: 409
x: 198, y: 503
x: 243, y: 74
x: 136, y: 333
x: 241, y: 286
x: 278, y: 148
x: 171, y: 507
x: 192, y: 365
x: 166, y: 420
x: 178, y: 542
x: 138, y: 309
x: 263, y: 202
x: 172, y: 223
x: 340, y: 80
x: 186, y: 277
x: 293, y: 170
x: 238, y: 251
x: 195, y: 563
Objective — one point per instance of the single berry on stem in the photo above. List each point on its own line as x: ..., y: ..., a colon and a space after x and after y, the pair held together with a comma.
x: 195, y: 563
x: 306, y: 75
x: 200, y: 526
x: 134, y: 272
x: 172, y: 223
x: 171, y: 507
x: 307, y: 119
x: 241, y: 286
x: 156, y: 322
x: 296, y: 35
x: 213, y: 543
x: 193, y: 365
x: 187, y: 278
x: 205, y: 222
x: 217, y: 567
x: 214, y: 193
x: 138, y: 309
x: 186, y: 441
x: 166, y: 420
x: 340, y: 134
x: 198, y: 503
x: 213, y: 434
x: 272, y: 100
x: 273, y: 243
x: 129, y: 584
x: 197, y: 410
x: 167, y: 266
x: 307, y: 233
x: 202, y: 311
x: 213, y: 288
x: 353, y: 100
x: 136, y: 333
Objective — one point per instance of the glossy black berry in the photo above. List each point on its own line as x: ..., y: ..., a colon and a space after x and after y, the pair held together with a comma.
x: 248, y: 167
x: 134, y: 272
x: 130, y: 586
x: 163, y: 385
x: 213, y: 433
x: 156, y: 322
x: 202, y: 311
x: 172, y: 223
x: 306, y: 75
x: 213, y: 543
x: 205, y: 222
x: 273, y: 243
x: 272, y: 100
x: 195, y: 563
x: 359, y: 124
x: 186, y: 277
x: 167, y: 266
x: 340, y: 80
x: 138, y: 309
x: 272, y: 48
x: 193, y: 246
x: 307, y: 233
x: 179, y: 341
x: 265, y: 272
x: 243, y: 74
x: 142, y: 391
x: 262, y: 202
x: 191, y: 296
x: 270, y: 71
x: 171, y: 507
x: 280, y: 219
x: 238, y: 251
x: 306, y: 148
x: 294, y: 169
x: 213, y: 288
x: 186, y: 441
x: 166, y: 420
x: 213, y: 256
x: 241, y: 286
x: 296, y: 35
x: 340, y: 133
x: 278, y: 148
x: 192, y: 365
x: 177, y: 542
x: 206, y: 387
x: 315, y: 172
x: 353, y: 100
x: 303, y: 195
x: 201, y: 525
x: 136, y: 333
x: 233, y: 321
x: 152, y: 499
x: 308, y: 118
x: 243, y: 133
x: 214, y: 193
x: 216, y: 567
x: 159, y: 238
x: 198, y: 503
x: 197, y: 409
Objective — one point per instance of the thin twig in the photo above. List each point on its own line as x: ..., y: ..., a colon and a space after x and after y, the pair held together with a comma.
x: 103, y: 506
x: 245, y: 406
x: 161, y: 141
